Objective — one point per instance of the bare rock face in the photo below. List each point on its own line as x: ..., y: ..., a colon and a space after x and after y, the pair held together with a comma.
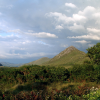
x: 66, y: 51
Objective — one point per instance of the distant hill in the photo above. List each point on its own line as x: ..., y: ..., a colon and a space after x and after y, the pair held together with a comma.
x: 38, y: 62
x: 69, y: 56
x: 66, y: 58
x: 1, y: 64
x: 10, y: 64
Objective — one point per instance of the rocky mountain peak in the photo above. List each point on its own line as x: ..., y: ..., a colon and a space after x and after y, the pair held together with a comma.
x: 66, y: 51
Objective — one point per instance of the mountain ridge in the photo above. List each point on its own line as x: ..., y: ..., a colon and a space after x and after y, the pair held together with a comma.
x: 66, y: 51
x: 68, y: 56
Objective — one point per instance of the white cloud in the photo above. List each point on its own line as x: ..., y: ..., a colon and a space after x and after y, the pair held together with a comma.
x: 97, y: 15
x: 70, y: 5
x: 93, y: 30
x: 60, y: 17
x: 80, y: 21
x: 91, y: 37
x: 26, y: 42
x: 77, y: 28
x: 30, y: 32
x: 15, y: 31
x: 43, y: 35
x: 88, y: 11
x: 82, y: 41
x: 82, y: 17
x: 79, y: 18
x: 59, y: 27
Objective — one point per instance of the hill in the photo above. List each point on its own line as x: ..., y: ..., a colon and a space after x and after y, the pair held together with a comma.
x: 69, y: 56
x: 38, y: 62
x: 10, y: 64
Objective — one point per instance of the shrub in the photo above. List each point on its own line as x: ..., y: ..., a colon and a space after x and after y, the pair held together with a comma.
x: 87, y: 62
x: 82, y: 72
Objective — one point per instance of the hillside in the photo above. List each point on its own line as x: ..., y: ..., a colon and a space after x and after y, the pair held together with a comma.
x: 38, y: 62
x: 65, y: 58
x: 35, y: 82
x: 69, y: 56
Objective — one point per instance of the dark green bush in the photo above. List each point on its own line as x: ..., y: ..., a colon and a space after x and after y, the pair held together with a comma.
x: 82, y: 72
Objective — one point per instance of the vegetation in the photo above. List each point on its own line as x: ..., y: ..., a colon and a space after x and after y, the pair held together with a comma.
x: 94, y: 54
x: 68, y: 59
x: 38, y: 62
x: 34, y: 82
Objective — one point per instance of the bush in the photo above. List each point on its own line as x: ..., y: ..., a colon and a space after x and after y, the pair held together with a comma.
x: 82, y: 72
x: 87, y: 62
x: 94, y: 54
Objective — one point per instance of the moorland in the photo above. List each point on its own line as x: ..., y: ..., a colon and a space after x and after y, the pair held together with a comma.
x: 70, y: 75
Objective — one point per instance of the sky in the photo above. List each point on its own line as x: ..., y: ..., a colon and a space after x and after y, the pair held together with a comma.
x: 32, y: 29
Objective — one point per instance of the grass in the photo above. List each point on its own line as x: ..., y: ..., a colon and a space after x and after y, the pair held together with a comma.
x: 38, y: 62
x: 57, y: 90
x: 73, y: 57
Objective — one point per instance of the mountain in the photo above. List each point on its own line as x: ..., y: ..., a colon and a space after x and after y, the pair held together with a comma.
x: 10, y: 64
x: 61, y: 54
x: 69, y: 56
x: 38, y: 62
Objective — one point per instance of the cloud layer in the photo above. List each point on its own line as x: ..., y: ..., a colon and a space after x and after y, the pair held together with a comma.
x: 33, y: 29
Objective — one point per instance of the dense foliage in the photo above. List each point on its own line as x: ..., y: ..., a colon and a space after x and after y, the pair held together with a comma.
x: 94, y: 54
x: 37, y: 77
x: 33, y: 74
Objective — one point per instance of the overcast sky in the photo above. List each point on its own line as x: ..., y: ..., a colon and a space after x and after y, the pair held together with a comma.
x: 32, y: 29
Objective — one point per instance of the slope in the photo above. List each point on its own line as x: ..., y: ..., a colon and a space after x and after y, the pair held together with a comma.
x: 38, y: 62
x: 69, y: 56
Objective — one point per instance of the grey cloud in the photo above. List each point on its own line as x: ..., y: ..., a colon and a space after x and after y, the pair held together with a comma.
x: 51, y: 23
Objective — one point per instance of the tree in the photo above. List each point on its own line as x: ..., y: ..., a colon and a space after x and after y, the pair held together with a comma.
x: 94, y: 54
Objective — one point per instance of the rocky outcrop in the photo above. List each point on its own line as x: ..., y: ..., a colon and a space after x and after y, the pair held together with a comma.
x: 66, y: 51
